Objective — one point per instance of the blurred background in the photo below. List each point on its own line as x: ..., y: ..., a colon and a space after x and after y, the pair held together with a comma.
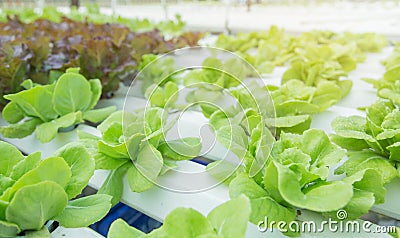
x: 231, y: 16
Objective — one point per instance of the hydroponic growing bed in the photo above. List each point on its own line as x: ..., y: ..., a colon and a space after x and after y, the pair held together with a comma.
x: 287, y: 171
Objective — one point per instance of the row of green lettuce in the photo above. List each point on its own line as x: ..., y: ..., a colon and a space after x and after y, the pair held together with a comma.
x: 275, y: 47
x: 91, y: 13
x: 373, y: 140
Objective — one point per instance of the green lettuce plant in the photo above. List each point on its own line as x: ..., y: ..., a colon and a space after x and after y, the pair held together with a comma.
x: 296, y: 98
x: 164, y: 97
x: 275, y: 47
x: 312, y: 73
x: 225, y: 221
x: 47, y: 108
x: 136, y: 148
x: 394, y: 59
x: 34, y: 191
x: 373, y: 142
x: 295, y: 176
x: 389, y: 86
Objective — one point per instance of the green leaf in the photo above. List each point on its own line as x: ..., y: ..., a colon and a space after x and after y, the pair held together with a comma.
x: 82, y: 167
x: 133, y: 144
x: 394, y: 151
x: 30, y: 162
x: 392, y: 74
x: 291, y: 124
x: 181, y: 149
x: 268, y: 207
x: 327, y: 94
x: 233, y: 138
x: 369, y: 180
x: 345, y: 86
x: 114, y: 117
x: 48, y: 130
x: 118, y: 151
x: 287, y: 121
x: 35, y: 102
x: 349, y: 143
x: 138, y: 182
x: 27, y: 84
x: 352, y: 123
x: 120, y: 229
x: 84, y: 211
x: 8, y: 229
x: 103, y: 161
x: 146, y: 169
x: 296, y: 107
x: 155, y: 95
x: 98, y: 115
x: 323, y: 197
x: 12, y: 113
x: 322, y: 152
x: 391, y: 121
x: 392, y: 95
x: 113, y: 133
x: 9, y: 157
x: 242, y: 184
x: 360, y: 160
x: 171, y: 93
x: 376, y: 114
x: 72, y: 93
x: 263, y: 146
x: 20, y: 130
x: 5, y: 182
x: 42, y: 233
x: 261, y: 203
x: 95, y: 88
x: 388, y: 134
x: 360, y: 204
x: 35, y: 204
x: 113, y: 185
x: 186, y: 222
x: 230, y: 219
x: 3, y: 207
x: 43, y: 172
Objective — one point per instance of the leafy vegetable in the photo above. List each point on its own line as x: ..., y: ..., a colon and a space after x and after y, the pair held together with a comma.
x: 69, y: 101
x: 38, y: 191
x: 135, y: 144
x: 275, y: 47
x: 227, y: 220
x: 295, y: 176
x: 394, y: 59
x: 372, y: 141
x: 162, y: 97
x: 40, y: 51
x: 388, y: 86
